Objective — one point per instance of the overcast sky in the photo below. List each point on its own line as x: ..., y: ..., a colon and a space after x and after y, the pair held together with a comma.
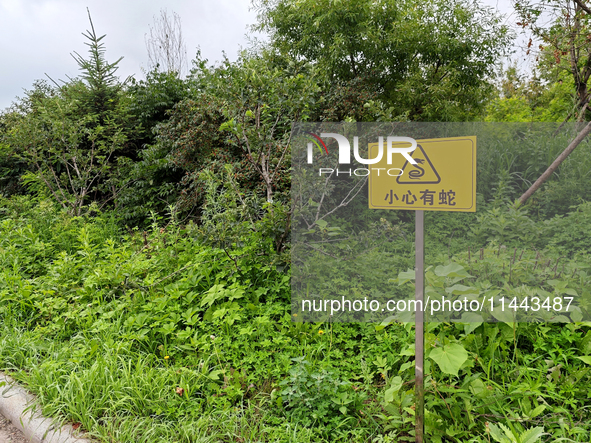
x: 38, y: 36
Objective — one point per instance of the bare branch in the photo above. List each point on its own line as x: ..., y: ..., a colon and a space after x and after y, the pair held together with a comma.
x: 166, y: 47
x: 571, y: 147
x: 347, y: 200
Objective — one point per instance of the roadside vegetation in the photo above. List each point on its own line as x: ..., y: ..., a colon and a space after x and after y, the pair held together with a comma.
x: 145, y: 240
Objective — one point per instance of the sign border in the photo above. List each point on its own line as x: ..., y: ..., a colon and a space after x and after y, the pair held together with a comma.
x: 471, y: 208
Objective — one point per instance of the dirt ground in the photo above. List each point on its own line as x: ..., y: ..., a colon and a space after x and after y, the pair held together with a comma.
x: 9, y: 434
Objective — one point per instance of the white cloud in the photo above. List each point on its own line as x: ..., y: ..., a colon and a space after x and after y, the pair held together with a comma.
x: 38, y: 36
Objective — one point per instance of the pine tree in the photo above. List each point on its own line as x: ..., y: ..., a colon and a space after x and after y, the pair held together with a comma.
x: 103, y: 85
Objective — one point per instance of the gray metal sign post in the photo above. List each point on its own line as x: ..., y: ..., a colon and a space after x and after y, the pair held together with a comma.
x: 419, y: 325
x: 452, y: 169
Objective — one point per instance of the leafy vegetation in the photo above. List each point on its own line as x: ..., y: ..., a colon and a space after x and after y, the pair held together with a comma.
x: 113, y: 328
x: 145, y: 235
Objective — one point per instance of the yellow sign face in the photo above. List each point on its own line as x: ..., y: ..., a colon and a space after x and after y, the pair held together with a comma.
x: 443, y: 179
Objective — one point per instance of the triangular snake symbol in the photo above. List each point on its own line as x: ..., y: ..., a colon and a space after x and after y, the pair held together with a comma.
x: 417, y: 175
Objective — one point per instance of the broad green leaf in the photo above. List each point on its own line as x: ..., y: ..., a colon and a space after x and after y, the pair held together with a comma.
x: 235, y: 292
x: 214, y: 375
x: 405, y: 366
x: 473, y: 320
x: 410, y: 351
x: 218, y: 313
x: 411, y: 411
x: 452, y: 270
x: 560, y: 319
x: 502, y: 433
x: 537, y: 411
x: 214, y: 293
x: 321, y: 223
x: 576, y: 314
x: 449, y: 358
x: 506, y: 316
x: 585, y: 344
x: 479, y: 389
x: 531, y: 435
x: 461, y: 290
x: 557, y: 283
x: 228, y: 126
x: 403, y: 277
x: 395, y: 387
x: 585, y: 359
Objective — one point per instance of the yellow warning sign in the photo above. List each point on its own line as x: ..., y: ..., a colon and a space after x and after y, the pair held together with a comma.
x: 442, y: 178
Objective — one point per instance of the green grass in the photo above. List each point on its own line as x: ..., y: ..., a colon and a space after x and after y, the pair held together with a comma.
x: 157, y: 337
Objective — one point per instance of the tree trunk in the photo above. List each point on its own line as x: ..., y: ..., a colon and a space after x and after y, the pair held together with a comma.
x: 571, y: 147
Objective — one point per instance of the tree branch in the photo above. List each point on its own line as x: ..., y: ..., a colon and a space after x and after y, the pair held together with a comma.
x: 578, y: 139
x: 583, y: 6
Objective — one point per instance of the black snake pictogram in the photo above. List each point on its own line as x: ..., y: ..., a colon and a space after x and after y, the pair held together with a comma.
x: 414, y: 174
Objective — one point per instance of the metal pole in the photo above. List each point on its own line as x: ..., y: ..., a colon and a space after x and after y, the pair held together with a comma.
x: 419, y: 325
